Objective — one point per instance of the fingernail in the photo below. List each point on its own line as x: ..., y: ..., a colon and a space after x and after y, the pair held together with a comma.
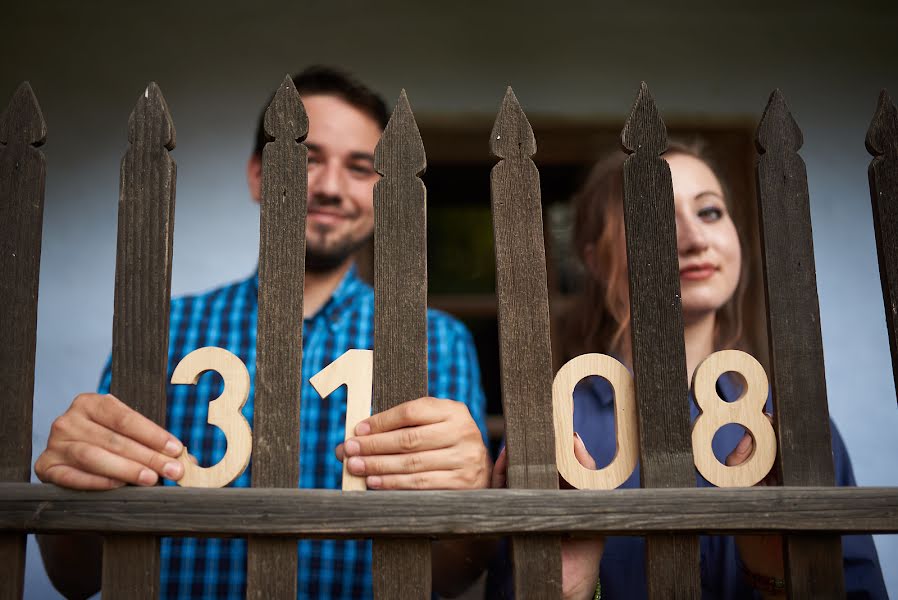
x: 172, y: 470
x: 173, y: 447
x: 356, y: 466
x: 351, y: 448
x: 146, y: 477
x: 373, y: 482
x: 744, y: 444
x: 363, y: 428
x: 578, y: 440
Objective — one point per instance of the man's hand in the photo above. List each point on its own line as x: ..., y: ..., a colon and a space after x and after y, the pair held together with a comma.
x: 761, y: 554
x: 100, y: 443
x: 428, y: 443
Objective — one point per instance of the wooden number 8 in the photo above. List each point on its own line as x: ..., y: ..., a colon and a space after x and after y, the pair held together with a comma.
x: 747, y: 410
x: 224, y: 413
x: 621, y: 381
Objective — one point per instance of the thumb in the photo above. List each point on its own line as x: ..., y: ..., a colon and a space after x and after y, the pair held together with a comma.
x: 499, y: 477
x: 582, y: 453
x: 741, y: 452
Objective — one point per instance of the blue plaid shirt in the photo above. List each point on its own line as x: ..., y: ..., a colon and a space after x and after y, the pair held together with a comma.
x: 226, y: 318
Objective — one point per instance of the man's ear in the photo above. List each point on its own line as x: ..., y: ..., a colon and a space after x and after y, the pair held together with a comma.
x: 254, y: 177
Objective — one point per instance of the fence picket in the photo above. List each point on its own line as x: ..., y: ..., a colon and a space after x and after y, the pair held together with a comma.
x: 272, y: 564
x: 659, y: 359
x: 882, y: 143
x: 814, y: 563
x: 525, y: 350
x: 22, y: 176
x: 140, y: 324
x: 401, y: 567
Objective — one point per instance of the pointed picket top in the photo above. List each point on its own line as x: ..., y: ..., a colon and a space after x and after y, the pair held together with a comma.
x: 882, y: 137
x: 512, y: 135
x: 22, y: 118
x: 150, y: 122
x: 777, y: 128
x: 644, y: 129
x: 286, y: 116
x: 401, y: 142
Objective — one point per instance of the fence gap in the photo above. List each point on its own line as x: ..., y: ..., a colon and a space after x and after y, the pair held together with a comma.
x: 525, y: 348
x: 271, y: 563
x: 401, y: 567
x: 659, y: 358
x: 813, y: 563
x: 882, y: 143
x: 22, y: 176
x: 146, y: 217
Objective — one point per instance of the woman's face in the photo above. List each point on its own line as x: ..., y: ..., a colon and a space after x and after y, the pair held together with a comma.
x: 707, y: 244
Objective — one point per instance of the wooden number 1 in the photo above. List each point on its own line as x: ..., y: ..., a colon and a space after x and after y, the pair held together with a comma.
x: 621, y: 381
x: 747, y: 410
x: 224, y: 413
x: 355, y: 370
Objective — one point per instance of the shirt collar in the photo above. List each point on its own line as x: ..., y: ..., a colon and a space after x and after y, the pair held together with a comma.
x: 343, y: 296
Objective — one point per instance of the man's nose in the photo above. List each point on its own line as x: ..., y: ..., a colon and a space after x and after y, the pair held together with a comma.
x: 325, y: 181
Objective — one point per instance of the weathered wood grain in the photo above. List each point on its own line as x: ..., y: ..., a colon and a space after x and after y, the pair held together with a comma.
x: 146, y: 217
x: 659, y: 357
x: 524, y: 337
x: 271, y: 564
x: 814, y: 564
x: 882, y: 143
x: 22, y: 176
x: 332, y: 514
x: 401, y: 568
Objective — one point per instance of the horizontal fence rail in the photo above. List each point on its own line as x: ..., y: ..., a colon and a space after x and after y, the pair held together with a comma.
x: 333, y: 514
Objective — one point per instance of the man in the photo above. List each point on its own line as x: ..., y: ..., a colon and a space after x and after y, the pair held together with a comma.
x: 99, y: 443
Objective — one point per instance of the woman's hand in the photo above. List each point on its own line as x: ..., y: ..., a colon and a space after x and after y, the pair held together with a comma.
x: 580, y: 557
x: 761, y: 554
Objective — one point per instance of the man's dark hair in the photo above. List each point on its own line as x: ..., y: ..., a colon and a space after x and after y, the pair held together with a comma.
x: 329, y: 81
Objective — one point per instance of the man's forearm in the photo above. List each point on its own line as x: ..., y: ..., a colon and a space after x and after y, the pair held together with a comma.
x: 73, y: 563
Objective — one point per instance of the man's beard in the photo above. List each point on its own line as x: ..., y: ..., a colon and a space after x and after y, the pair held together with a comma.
x: 325, y: 258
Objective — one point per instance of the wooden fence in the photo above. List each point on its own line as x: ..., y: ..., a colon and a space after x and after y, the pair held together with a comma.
x: 669, y: 510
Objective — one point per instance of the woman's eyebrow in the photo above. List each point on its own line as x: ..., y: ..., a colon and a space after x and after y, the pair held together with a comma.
x: 701, y: 195
x: 362, y: 156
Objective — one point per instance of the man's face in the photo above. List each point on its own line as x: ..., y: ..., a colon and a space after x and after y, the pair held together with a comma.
x: 340, y: 216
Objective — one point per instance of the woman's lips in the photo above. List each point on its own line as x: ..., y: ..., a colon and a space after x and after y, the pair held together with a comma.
x: 698, y: 272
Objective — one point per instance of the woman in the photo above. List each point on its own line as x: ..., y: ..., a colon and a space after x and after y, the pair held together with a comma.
x: 712, y: 285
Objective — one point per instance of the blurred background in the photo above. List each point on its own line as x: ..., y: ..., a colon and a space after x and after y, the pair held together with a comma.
x: 574, y: 66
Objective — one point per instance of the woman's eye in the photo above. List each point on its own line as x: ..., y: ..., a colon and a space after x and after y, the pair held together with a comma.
x: 710, y: 213
x: 314, y: 160
x: 361, y: 170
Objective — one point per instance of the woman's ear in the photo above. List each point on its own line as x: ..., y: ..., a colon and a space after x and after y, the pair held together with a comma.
x: 254, y: 177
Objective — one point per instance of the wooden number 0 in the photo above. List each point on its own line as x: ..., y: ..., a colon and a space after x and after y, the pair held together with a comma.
x: 224, y: 413
x: 355, y: 370
x: 621, y: 381
x: 747, y: 410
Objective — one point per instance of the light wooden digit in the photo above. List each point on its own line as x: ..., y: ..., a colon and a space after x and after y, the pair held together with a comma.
x: 747, y: 410
x: 621, y: 381
x: 224, y: 413
x: 355, y: 370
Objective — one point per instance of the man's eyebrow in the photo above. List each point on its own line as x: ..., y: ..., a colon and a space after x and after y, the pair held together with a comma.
x: 361, y: 156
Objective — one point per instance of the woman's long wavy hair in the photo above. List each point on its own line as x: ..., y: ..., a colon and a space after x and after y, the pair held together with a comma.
x: 599, y: 317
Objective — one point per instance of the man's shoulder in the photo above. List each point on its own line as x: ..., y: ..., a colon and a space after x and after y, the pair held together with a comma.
x: 224, y: 297
x: 443, y: 325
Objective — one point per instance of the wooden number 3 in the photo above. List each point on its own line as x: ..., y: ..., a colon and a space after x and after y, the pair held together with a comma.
x: 224, y: 413
x: 747, y: 410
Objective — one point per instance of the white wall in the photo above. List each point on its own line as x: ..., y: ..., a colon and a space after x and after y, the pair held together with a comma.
x: 216, y: 66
